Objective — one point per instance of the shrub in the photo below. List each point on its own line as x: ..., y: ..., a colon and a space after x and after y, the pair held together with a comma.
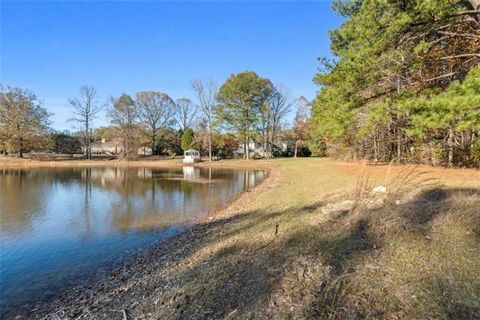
x: 304, y: 152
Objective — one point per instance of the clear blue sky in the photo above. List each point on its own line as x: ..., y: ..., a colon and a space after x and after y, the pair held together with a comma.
x: 55, y: 47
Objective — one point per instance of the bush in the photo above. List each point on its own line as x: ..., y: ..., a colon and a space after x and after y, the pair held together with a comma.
x: 277, y: 153
x: 304, y: 152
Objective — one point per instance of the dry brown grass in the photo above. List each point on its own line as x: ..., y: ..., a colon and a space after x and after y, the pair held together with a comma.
x: 450, y: 176
x: 415, y: 259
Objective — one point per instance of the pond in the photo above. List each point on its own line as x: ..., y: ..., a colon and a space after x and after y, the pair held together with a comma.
x: 58, y: 224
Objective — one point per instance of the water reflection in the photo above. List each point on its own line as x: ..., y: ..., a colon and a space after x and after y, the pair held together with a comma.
x: 60, y: 223
x: 192, y: 173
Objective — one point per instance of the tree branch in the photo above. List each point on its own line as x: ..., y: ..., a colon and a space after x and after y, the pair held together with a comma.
x: 458, y: 56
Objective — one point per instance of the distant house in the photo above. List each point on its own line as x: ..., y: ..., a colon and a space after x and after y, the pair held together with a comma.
x: 253, y: 147
x: 256, y: 148
x: 115, y: 147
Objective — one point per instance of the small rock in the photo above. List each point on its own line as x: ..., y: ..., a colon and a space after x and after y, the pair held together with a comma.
x: 375, y: 204
x: 380, y: 189
x: 336, y: 207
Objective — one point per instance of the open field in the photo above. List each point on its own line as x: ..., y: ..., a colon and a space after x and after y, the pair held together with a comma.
x: 291, y: 249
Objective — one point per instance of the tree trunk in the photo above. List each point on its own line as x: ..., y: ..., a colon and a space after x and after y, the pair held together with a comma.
x: 125, y: 148
x: 265, y: 151
x: 270, y: 143
x: 450, y: 147
x: 87, y: 139
x: 21, y: 148
x: 153, y: 143
x: 247, y: 141
x: 399, y: 144
x: 274, y: 132
x: 209, y: 145
x: 296, y: 149
x: 209, y: 128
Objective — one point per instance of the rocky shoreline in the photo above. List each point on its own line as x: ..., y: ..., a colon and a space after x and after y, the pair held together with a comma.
x: 114, y: 292
x: 98, y: 296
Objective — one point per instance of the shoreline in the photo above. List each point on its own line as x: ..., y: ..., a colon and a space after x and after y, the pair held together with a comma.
x: 18, y: 163
x: 247, y: 259
x: 104, y: 279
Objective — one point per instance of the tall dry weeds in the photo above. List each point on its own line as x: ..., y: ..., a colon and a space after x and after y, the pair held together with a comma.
x: 419, y: 255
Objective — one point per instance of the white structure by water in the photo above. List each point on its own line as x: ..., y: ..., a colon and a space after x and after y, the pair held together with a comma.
x: 191, y: 156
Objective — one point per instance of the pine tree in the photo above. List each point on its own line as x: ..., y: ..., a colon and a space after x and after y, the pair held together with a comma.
x: 188, y: 139
x: 388, y: 55
x: 241, y: 99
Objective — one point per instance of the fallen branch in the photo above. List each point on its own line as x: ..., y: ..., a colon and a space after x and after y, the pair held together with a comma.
x: 465, y: 55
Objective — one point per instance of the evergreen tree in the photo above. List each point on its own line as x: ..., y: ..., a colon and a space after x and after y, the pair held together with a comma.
x: 388, y: 55
x: 188, y: 139
x: 241, y: 99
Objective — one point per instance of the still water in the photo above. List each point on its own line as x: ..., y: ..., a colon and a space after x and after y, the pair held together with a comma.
x: 57, y: 224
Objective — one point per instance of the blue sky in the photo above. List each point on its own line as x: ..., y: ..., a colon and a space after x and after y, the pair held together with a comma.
x: 55, y: 47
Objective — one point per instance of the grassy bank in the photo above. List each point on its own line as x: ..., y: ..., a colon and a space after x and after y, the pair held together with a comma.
x: 282, y: 252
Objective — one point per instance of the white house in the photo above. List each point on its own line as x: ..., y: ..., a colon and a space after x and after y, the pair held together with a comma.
x: 114, y: 147
x: 255, y: 147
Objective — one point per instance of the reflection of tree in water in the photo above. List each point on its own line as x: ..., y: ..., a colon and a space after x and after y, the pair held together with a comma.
x: 164, y: 200
x: 22, y: 196
x: 87, y: 181
x: 149, y: 203
x: 144, y: 198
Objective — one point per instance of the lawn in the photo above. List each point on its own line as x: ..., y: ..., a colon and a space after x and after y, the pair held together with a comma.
x: 275, y: 253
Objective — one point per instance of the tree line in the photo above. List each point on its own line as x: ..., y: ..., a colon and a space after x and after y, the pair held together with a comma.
x: 404, y: 84
x: 245, y: 108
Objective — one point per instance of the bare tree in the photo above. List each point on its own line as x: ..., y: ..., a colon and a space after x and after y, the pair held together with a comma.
x: 206, y: 92
x: 85, y: 108
x: 263, y: 125
x: 156, y: 110
x: 280, y: 106
x: 123, y: 113
x: 185, y: 113
x: 272, y: 112
x: 300, y: 123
